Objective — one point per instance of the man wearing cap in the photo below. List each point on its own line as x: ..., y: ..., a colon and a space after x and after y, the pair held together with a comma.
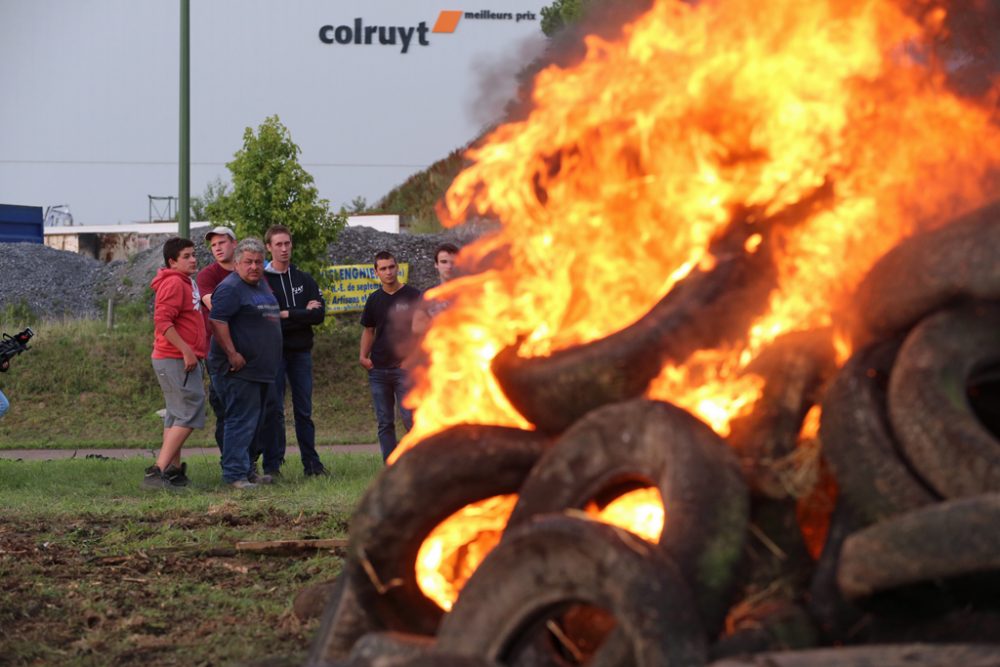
x: 222, y: 242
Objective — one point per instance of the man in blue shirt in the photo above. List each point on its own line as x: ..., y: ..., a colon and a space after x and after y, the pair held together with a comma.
x: 244, y: 358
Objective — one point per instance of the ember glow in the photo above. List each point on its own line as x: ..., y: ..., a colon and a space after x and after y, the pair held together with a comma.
x: 634, y: 159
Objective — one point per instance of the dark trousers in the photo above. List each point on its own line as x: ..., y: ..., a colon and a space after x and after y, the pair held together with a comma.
x: 245, y: 402
x: 297, y: 367
x: 388, y: 387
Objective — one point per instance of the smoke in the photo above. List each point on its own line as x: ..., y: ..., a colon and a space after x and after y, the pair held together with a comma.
x: 969, y: 45
x: 504, y: 90
x: 499, y: 80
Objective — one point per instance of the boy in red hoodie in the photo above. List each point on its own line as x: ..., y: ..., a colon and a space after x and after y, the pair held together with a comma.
x: 178, y: 346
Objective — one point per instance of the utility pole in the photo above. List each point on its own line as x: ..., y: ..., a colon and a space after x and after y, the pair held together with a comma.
x: 184, y: 184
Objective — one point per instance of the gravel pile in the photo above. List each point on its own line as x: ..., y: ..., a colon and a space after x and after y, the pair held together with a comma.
x: 51, y: 283
x: 358, y: 245
x: 56, y: 283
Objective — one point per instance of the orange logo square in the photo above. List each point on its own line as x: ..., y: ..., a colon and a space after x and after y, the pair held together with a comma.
x: 447, y: 21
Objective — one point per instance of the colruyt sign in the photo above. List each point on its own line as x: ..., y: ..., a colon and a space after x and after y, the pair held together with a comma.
x: 357, y: 33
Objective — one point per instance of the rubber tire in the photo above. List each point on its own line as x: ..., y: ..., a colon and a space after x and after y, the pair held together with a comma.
x: 697, y: 474
x: 893, y: 655
x: 928, y: 271
x: 349, y: 615
x: 929, y: 406
x: 428, y: 483
x: 873, y: 478
x: 559, y: 559
x: 701, y: 311
x: 945, y: 541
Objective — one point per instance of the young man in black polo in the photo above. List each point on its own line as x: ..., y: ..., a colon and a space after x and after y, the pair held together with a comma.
x: 302, y: 308
x: 387, y: 321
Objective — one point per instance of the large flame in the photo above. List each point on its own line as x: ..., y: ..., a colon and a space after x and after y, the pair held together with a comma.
x: 634, y: 159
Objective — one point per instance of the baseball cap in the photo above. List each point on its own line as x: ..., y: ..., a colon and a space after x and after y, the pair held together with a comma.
x: 220, y: 230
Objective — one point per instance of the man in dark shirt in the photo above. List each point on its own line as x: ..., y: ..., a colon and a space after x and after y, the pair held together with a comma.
x: 387, y: 321
x: 302, y: 308
x: 244, y: 358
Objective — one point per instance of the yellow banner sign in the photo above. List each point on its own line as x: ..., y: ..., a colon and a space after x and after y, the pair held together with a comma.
x: 350, y: 285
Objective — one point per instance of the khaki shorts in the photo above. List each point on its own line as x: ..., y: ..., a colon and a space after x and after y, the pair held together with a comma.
x: 184, y: 393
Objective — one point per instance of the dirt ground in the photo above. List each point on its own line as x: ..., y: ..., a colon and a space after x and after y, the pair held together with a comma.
x: 80, y: 592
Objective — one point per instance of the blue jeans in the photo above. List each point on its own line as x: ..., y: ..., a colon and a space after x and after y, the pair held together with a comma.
x: 298, y: 367
x: 388, y: 387
x: 4, y: 404
x: 245, y: 402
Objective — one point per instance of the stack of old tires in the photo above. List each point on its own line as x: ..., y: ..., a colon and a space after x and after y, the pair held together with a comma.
x: 910, y: 431
x: 910, y: 569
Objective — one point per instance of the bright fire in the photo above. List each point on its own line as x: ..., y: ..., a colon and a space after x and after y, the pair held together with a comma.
x: 640, y: 511
x: 632, y: 160
x: 454, y: 549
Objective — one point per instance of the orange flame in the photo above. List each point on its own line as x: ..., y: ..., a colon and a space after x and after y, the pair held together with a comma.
x: 640, y: 512
x: 630, y: 162
x: 454, y: 549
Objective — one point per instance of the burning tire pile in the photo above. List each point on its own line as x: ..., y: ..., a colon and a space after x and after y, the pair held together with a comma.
x: 912, y: 553
x: 722, y: 388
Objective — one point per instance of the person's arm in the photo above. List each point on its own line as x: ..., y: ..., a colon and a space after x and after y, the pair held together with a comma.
x: 206, y: 286
x: 315, y: 311
x: 421, y: 321
x: 190, y: 359
x: 222, y: 336
x: 367, y: 340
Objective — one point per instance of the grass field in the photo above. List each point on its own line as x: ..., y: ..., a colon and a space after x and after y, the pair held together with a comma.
x: 84, y: 386
x: 95, y: 571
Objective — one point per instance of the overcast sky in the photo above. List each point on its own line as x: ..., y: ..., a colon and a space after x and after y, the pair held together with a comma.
x: 89, y: 93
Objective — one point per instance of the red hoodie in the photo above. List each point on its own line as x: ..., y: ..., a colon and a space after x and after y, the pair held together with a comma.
x: 177, y: 306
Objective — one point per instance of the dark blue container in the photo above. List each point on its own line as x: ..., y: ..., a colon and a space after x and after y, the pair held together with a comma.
x: 20, y: 224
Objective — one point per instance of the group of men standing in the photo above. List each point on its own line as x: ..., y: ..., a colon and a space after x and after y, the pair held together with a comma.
x: 255, y: 323
x: 252, y: 322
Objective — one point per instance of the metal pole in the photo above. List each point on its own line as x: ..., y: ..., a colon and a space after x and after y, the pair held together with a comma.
x: 184, y: 186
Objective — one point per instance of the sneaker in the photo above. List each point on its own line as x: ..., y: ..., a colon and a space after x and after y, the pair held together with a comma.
x: 242, y: 485
x: 177, y: 476
x: 256, y: 478
x: 155, y: 479
x: 317, y: 472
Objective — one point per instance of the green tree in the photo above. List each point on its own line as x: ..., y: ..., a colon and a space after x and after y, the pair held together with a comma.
x: 561, y: 13
x: 270, y: 187
x: 213, y: 191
